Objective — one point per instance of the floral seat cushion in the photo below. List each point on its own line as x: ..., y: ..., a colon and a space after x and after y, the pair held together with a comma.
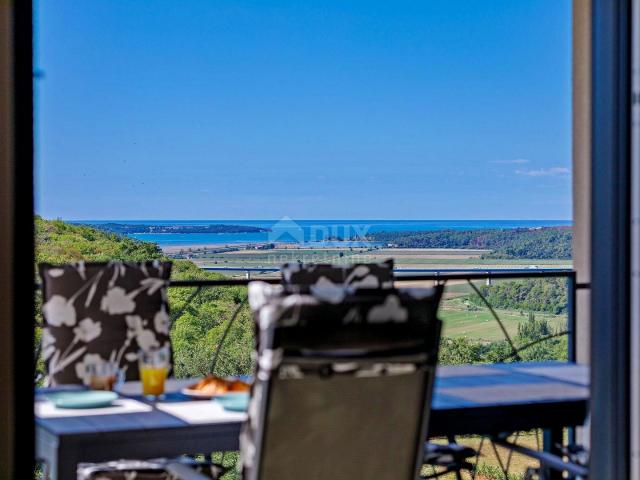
x: 358, y: 275
x: 99, y: 312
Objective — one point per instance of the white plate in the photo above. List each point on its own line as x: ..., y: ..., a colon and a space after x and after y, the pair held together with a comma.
x: 171, y: 385
x: 198, y: 394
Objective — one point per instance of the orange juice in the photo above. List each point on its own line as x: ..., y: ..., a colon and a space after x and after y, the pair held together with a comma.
x: 153, y: 380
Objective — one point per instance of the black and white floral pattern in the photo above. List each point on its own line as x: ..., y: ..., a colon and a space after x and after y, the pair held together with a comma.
x: 331, y: 277
x: 272, y: 304
x: 102, y: 312
x: 155, y: 469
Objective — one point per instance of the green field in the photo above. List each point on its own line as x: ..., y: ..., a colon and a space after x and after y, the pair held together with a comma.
x: 404, y: 258
x: 480, y: 325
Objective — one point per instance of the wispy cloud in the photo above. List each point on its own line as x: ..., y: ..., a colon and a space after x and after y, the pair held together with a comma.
x: 546, y: 172
x: 515, y: 161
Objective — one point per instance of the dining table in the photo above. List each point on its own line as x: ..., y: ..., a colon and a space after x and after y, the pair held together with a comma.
x: 485, y: 399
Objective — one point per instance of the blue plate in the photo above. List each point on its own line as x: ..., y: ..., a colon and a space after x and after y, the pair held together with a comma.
x: 84, y: 399
x: 234, y: 402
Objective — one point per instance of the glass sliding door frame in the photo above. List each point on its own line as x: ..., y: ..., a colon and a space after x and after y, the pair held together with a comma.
x: 635, y: 243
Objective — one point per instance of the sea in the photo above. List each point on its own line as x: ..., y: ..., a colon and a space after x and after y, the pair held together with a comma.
x: 312, y: 233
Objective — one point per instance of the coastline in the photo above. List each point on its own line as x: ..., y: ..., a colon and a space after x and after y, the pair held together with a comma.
x: 259, y: 246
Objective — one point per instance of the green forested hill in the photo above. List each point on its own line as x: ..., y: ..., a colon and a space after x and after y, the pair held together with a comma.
x: 197, y: 327
x: 537, y: 243
x: 60, y: 242
x: 125, y: 229
x: 529, y: 295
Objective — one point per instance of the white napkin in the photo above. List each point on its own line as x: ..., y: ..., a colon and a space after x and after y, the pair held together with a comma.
x: 199, y: 412
x: 46, y: 409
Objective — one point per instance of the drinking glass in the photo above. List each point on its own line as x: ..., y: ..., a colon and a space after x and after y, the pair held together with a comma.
x: 154, y: 367
x: 104, y: 375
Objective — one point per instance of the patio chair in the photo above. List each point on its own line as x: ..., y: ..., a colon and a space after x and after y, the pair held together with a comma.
x: 342, y: 390
x: 183, y: 468
x: 99, y: 312
x: 332, y: 282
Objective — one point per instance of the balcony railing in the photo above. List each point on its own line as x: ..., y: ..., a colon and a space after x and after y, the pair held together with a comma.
x: 435, y: 275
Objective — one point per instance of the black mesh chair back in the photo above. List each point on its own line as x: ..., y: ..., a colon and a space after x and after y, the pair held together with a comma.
x: 342, y: 389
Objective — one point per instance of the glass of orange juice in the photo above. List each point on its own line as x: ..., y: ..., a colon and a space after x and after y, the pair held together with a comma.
x: 154, y: 367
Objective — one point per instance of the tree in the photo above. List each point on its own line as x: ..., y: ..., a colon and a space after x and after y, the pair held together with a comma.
x: 533, y: 329
x: 533, y: 294
x: 548, y: 346
x: 541, y: 243
x: 459, y: 351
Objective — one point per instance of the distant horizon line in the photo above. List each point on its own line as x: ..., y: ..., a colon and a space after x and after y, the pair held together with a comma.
x: 313, y: 219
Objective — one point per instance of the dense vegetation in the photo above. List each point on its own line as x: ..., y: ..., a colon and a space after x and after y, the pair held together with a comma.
x: 60, y: 242
x: 125, y: 229
x: 198, y: 326
x: 537, y: 243
x: 533, y: 294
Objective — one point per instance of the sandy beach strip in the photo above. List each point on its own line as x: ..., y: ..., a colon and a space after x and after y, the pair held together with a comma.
x: 196, y: 247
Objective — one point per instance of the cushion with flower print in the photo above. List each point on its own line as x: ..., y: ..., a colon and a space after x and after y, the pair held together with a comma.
x: 325, y: 277
x: 102, y: 312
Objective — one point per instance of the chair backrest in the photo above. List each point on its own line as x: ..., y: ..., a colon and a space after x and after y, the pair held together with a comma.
x: 98, y: 312
x: 342, y: 390
x: 357, y: 275
x: 183, y: 468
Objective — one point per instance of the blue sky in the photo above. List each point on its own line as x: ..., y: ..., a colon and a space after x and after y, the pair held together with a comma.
x: 421, y: 109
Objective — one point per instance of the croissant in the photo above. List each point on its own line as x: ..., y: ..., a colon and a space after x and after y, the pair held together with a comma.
x: 212, y: 385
